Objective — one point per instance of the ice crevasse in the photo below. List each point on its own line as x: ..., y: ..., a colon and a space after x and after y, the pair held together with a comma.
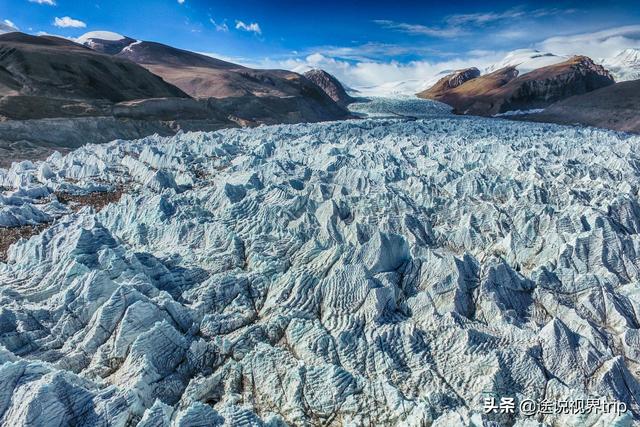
x: 371, y: 272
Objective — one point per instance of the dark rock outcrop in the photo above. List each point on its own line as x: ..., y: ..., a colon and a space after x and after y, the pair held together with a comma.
x: 614, y: 107
x: 331, y: 86
x: 506, y: 90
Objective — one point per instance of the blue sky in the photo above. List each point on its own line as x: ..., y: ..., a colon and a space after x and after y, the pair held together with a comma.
x: 340, y: 35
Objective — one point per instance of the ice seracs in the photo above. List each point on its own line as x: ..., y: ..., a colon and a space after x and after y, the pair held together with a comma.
x: 372, y: 272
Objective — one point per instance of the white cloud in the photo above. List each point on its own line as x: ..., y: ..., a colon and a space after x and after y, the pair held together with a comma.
x: 47, y: 2
x: 7, y: 26
x: 253, y: 27
x: 464, y: 24
x: 484, y: 18
x: 10, y: 24
x: 481, y: 19
x: 418, y: 29
x: 181, y: 1
x: 381, y: 74
x: 372, y: 51
x: 361, y: 66
x: 599, y: 44
x: 220, y: 26
x: 68, y: 22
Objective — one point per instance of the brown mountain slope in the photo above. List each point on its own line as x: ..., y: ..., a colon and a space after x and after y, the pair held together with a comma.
x: 504, y: 90
x: 283, y: 96
x: 203, y: 77
x: 450, y: 81
x: 56, y: 94
x: 57, y: 68
x: 613, y: 107
x: 143, y: 52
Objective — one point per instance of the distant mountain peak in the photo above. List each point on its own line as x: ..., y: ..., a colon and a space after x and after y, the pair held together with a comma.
x: 449, y: 82
x: 628, y: 56
x: 105, y: 41
x: 625, y: 65
x: 506, y: 89
x: 330, y: 85
x: 526, y: 60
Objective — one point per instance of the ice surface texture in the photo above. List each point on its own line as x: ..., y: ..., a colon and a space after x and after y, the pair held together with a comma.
x: 371, y: 272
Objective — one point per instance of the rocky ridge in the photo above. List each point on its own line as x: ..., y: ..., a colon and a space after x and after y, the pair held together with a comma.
x: 507, y: 90
x: 331, y: 86
x: 613, y: 107
x: 450, y: 81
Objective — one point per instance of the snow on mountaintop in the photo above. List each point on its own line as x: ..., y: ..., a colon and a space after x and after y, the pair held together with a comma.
x: 400, y: 88
x: 372, y: 272
x: 100, y: 35
x: 526, y: 60
x: 625, y: 65
x: 394, y: 89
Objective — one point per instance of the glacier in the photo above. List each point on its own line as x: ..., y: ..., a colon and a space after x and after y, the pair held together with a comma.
x: 380, y: 271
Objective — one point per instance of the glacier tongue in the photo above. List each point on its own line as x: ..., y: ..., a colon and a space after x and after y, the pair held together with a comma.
x: 372, y: 272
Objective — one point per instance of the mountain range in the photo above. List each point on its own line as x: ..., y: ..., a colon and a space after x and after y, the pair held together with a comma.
x: 508, y: 89
x: 531, y: 85
x: 59, y: 94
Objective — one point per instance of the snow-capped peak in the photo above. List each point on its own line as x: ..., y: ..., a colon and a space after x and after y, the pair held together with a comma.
x: 625, y: 65
x: 526, y: 60
x: 401, y: 88
x: 100, y: 35
x: 629, y: 56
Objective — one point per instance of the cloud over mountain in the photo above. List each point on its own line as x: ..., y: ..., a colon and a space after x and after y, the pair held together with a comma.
x: 253, y: 27
x: 6, y: 26
x: 68, y: 22
x: 597, y: 44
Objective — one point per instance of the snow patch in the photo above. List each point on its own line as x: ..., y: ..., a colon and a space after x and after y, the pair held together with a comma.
x: 526, y: 60
x: 129, y: 48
